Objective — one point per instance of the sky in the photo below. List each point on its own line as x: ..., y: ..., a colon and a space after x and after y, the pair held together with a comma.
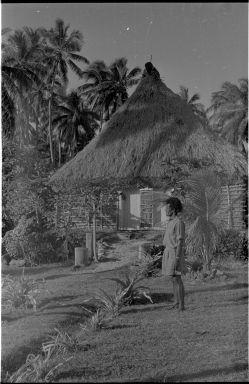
x: 196, y: 45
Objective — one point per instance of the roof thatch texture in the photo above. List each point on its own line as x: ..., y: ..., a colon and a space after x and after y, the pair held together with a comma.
x: 150, y: 130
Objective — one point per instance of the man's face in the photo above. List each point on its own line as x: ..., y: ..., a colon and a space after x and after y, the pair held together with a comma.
x: 169, y: 210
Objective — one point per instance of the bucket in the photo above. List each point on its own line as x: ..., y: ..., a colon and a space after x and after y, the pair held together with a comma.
x: 81, y: 256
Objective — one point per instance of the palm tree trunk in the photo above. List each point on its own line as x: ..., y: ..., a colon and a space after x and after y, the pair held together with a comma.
x: 101, y: 118
x: 50, y: 130
x: 59, y: 150
x: 95, y: 257
x: 50, y: 116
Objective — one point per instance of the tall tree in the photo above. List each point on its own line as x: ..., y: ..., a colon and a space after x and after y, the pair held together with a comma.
x: 197, y: 107
x: 108, y: 86
x: 62, y: 52
x: 74, y: 124
x: 20, y: 70
x: 229, y: 112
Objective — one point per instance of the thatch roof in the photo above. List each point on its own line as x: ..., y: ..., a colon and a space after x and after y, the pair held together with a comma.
x: 150, y: 130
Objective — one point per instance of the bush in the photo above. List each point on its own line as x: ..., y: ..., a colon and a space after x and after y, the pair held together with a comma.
x: 60, y: 344
x: 232, y: 243
x: 20, y: 292
x: 151, y: 263
x: 128, y: 290
x: 30, y: 242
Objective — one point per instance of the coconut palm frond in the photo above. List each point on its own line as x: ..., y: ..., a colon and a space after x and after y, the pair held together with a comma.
x: 76, y: 57
x: 194, y: 98
x: 75, y: 68
x: 229, y: 108
x: 134, y: 73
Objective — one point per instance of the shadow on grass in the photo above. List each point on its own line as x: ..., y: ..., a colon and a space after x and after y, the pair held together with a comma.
x: 11, y: 363
x: 147, y: 308
x: 122, y: 268
x: 106, y: 259
x: 16, y: 358
x: 161, y: 297
x: 121, y: 326
x: 241, y: 299
x: 215, y: 288
x: 34, y: 270
x: 46, y: 301
x: 81, y: 375
x: 77, y: 315
x: 197, y: 375
x: 12, y: 317
x: 53, y: 277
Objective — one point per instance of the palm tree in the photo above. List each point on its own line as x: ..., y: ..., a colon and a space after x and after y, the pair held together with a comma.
x: 203, y: 215
x: 197, y: 108
x: 19, y: 72
x: 108, y: 87
x: 62, y: 52
x: 229, y: 108
x: 74, y: 124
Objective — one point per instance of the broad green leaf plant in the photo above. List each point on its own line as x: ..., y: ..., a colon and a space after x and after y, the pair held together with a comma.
x: 203, y: 215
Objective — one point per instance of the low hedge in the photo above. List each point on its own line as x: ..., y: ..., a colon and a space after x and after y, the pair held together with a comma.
x: 233, y: 243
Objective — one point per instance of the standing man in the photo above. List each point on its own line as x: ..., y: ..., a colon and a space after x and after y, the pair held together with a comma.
x: 173, y: 256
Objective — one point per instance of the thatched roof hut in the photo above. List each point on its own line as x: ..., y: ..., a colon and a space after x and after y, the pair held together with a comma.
x: 153, y: 129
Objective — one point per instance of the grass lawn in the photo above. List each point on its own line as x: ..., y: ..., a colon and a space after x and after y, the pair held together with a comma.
x: 147, y: 342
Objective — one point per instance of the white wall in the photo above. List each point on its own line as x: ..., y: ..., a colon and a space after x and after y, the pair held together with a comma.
x: 129, y: 211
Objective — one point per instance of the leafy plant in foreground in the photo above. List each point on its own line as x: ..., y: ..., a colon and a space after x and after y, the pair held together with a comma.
x: 129, y: 293
x: 37, y: 369
x: 97, y: 321
x: 151, y: 261
x: 20, y: 292
x: 108, y: 304
x: 60, y: 344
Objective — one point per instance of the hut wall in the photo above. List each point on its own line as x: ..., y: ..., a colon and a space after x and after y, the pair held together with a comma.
x: 73, y: 214
x: 130, y: 210
x: 234, y: 206
x: 153, y: 215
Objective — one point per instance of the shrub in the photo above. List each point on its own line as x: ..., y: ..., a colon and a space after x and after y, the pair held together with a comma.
x: 21, y: 292
x: 97, y: 321
x: 37, y: 369
x: 41, y: 368
x: 60, y: 344
x: 30, y: 242
x: 129, y: 293
x: 108, y: 304
x: 232, y: 243
x: 151, y: 262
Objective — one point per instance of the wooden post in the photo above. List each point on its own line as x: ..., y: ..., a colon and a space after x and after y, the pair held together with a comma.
x: 101, y: 216
x: 117, y: 215
x: 56, y: 213
x: 94, y: 234
x: 89, y: 245
x: 229, y: 208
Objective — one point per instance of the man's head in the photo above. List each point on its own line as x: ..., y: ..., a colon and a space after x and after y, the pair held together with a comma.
x: 173, y: 206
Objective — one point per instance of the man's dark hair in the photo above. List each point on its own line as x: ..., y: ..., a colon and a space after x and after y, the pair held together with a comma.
x: 175, y: 204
